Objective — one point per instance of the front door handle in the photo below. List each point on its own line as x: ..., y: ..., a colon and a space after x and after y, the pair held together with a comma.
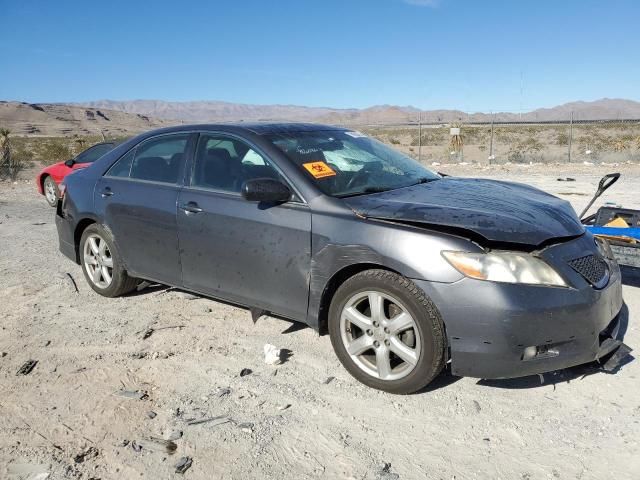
x: 191, y: 207
x: 106, y: 192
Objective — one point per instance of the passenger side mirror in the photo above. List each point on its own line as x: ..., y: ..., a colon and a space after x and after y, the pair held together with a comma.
x: 70, y: 163
x: 265, y: 190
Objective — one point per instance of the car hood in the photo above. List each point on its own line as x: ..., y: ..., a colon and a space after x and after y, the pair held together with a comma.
x: 501, y: 212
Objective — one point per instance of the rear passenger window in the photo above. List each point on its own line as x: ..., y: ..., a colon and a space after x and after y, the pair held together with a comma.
x: 160, y: 159
x: 225, y: 163
x: 123, y: 166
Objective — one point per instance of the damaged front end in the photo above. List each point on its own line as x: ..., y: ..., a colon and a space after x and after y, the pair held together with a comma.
x: 537, y: 293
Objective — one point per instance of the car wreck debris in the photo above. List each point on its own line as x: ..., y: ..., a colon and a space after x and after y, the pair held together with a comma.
x: 617, y: 359
x: 27, y: 367
x: 183, y: 464
x: 272, y: 355
x: 216, y: 420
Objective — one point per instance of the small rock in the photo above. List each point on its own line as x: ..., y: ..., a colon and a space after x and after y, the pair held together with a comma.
x: 183, y: 464
x: 139, y: 355
x: 3, y: 354
x: 245, y: 371
x: 477, y: 406
x: 246, y: 427
x: 329, y: 380
x: 136, y: 447
x: 132, y: 394
x: 223, y: 392
x: 147, y: 333
x: 175, y: 435
x: 284, y: 407
x: 88, y: 453
x: 385, y: 473
x: 152, y: 414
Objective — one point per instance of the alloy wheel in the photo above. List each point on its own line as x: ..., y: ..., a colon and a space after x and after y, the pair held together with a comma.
x: 50, y: 191
x: 380, y: 335
x: 98, y: 261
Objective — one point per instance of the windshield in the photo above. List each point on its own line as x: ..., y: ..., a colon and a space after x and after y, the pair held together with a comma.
x: 343, y: 163
x: 91, y: 154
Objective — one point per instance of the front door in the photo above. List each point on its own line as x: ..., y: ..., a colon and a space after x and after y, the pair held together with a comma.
x: 137, y: 200
x: 246, y: 252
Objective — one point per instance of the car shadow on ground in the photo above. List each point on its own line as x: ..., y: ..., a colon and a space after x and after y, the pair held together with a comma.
x: 568, y: 375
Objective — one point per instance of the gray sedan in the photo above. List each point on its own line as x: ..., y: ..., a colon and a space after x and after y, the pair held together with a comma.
x: 406, y: 269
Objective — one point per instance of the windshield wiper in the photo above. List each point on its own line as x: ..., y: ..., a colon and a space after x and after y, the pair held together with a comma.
x: 424, y: 180
x: 365, y: 192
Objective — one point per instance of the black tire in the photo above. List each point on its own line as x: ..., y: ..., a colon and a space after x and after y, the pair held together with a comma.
x: 121, y: 282
x: 426, y: 317
x: 49, y: 183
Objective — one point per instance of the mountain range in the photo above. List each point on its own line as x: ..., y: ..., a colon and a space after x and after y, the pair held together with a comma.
x: 122, y: 118
x: 217, y: 111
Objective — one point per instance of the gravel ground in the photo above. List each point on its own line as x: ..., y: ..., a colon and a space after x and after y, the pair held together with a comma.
x: 105, y: 402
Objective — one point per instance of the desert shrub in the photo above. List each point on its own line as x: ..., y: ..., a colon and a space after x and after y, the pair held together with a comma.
x: 525, y: 150
x: 54, y: 150
x: 561, y: 138
x: 394, y: 141
x: 11, y: 164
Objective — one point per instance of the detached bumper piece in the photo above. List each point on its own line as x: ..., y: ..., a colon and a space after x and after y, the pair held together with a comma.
x: 619, y: 357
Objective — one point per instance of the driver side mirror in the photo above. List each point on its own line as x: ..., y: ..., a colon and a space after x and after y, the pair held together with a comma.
x: 70, y: 163
x: 265, y: 190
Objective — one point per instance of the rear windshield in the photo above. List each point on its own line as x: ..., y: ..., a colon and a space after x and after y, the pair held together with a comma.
x: 343, y: 163
x: 92, y: 154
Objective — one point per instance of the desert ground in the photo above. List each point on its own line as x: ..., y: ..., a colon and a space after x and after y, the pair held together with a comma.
x: 107, y: 400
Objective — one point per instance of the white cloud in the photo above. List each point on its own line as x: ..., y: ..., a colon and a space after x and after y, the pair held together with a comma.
x: 423, y: 3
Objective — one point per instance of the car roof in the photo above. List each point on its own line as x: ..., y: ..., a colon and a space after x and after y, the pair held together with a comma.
x: 270, y: 128
x: 258, y: 128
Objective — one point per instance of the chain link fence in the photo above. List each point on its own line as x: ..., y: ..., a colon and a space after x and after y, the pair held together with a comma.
x: 597, y: 141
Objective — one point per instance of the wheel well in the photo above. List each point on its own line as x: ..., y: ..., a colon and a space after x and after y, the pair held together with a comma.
x: 77, y: 235
x: 334, y: 283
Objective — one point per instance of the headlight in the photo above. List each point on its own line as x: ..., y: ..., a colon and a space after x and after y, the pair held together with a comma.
x: 508, y: 267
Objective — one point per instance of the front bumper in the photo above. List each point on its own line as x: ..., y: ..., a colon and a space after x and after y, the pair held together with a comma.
x: 490, y: 325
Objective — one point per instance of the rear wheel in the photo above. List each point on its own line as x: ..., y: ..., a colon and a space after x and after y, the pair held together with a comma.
x: 386, y: 332
x: 101, y: 263
x: 51, y: 191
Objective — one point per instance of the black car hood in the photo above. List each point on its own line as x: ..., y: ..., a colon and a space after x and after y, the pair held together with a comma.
x: 501, y: 212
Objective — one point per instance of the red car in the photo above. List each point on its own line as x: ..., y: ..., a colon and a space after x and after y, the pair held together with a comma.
x: 50, y: 177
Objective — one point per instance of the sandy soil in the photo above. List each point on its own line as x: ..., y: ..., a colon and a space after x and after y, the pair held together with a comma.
x: 304, y: 419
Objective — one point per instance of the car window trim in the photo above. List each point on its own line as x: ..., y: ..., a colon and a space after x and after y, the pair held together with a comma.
x: 253, y: 146
x: 188, y: 152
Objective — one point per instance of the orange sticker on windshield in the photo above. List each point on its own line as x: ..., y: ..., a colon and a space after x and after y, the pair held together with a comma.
x: 319, y: 169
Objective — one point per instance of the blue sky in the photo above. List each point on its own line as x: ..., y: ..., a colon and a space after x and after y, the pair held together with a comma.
x: 465, y: 54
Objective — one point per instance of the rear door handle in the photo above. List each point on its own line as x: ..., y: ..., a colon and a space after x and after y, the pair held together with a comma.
x: 106, y: 192
x: 191, y: 207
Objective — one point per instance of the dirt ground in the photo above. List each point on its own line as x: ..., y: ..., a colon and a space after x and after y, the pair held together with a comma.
x: 77, y: 414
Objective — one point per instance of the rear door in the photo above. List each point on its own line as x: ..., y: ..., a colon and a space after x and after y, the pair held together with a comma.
x: 247, y: 252
x: 137, y: 200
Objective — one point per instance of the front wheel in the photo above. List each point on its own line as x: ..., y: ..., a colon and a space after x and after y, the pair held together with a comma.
x: 386, y: 332
x: 51, y: 191
x: 102, y: 265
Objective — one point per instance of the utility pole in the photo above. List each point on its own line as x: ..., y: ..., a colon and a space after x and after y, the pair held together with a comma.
x: 419, y: 136
x: 491, y: 142
x: 570, y: 134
